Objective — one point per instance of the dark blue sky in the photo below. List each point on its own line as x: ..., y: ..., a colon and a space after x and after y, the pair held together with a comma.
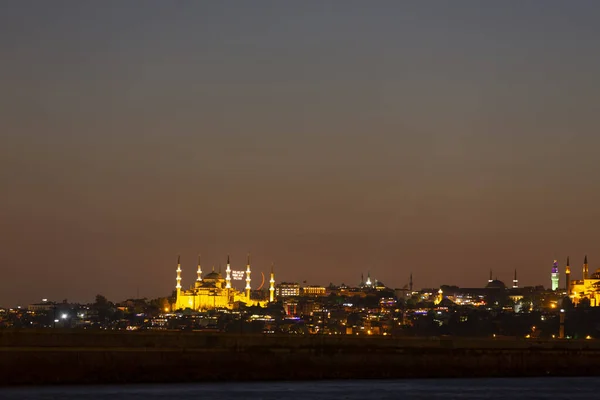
x: 442, y: 138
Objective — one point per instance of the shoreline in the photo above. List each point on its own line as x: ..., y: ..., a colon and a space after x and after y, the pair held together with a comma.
x: 40, y: 358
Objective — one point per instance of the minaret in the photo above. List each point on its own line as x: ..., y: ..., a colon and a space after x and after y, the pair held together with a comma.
x: 410, y: 283
x: 490, y: 280
x: 368, y: 282
x: 248, y: 288
x: 568, y: 277
x: 228, y: 275
x: 272, y: 286
x: 585, y: 268
x: 199, y: 272
x: 554, y: 275
x: 178, y: 287
x: 515, y: 280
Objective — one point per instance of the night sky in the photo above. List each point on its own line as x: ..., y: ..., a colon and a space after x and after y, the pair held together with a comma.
x: 329, y: 137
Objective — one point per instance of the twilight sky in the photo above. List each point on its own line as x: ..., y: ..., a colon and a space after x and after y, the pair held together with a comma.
x: 328, y: 137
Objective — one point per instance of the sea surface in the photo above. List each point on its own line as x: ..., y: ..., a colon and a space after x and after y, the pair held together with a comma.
x: 496, y: 388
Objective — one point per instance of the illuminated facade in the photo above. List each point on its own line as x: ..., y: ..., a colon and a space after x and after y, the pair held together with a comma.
x: 586, y: 288
x: 286, y: 289
x: 554, y: 276
x: 213, y: 291
x: 313, y: 291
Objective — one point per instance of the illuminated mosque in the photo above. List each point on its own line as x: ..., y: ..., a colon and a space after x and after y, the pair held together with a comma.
x: 586, y: 288
x: 369, y: 284
x: 213, y: 291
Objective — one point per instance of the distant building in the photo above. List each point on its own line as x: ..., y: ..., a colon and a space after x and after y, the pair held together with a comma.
x: 43, y: 306
x: 372, y: 284
x: 287, y: 289
x: 313, y: 291
x: 213, y: 291
x: 290, y: 306
x: 402, y: 293
x: 586, y: 289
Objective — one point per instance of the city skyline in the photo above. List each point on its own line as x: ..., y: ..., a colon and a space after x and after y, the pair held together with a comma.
x: 331, y: 139
x: 192, y: 275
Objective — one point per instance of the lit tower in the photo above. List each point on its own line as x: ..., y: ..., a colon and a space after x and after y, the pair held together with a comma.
x: 178, y: 286
x: 199, y: 272
x: 585, y: 268
x: 248, y: 288
x: 368, y: 282
x: 228, y: 275
x: 490, y: 280
x: 568, y: 277
x: 515, y: 281
x: 272, y: 286
x: 554, y: 275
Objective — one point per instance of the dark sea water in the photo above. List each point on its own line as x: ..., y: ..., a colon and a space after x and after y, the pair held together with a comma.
x: 498, y: 388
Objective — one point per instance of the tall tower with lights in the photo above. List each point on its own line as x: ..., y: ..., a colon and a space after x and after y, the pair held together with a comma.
x: 178, y: 279
x: 568, y: 277
x: 199, y: 271
x: 585, y: 268
x: 515, y: 281
x: 228, y: 275
x: 248, y: 288
x: 554, y: 275
x: 491, y: 279
x: 272, y: 286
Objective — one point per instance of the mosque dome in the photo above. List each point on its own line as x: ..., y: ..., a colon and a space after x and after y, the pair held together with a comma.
x: 213, y: 276
x: 495, y: 284
x: 596, y: 275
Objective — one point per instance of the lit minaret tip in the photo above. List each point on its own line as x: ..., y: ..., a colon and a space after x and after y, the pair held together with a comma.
x: 515, y: 281
x: 490, y: 280
x: 228, y: 275
x: 272, y: 286
x: 178, y: 287
x: 585, y: 268
x: 248, y: 288
x: 199, y: 272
